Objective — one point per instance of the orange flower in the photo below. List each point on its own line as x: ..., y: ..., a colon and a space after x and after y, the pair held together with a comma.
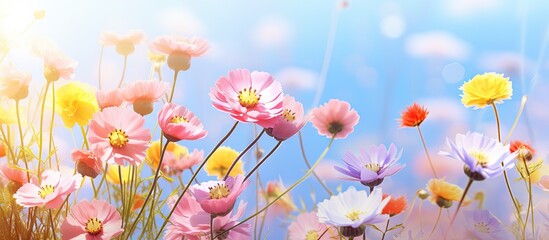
x: 395, y: 206
x: 2, y: 150
x: 413, y: 116
x: 526, y: 152
x: 138, y: 202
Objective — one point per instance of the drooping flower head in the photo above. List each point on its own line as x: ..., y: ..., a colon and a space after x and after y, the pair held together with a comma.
x: 307, y: 227
x: 221, y: 160
x: 14, y: 84
x: 190, y: 222
x: 109, y: 98
x: 87, y: 163
x: 180, y: 50
x: 525, y: 151
x: 178, y: 123
x: 95, y: 219
x: 76, y: 103
x: 335, y: 118
x: 142, y: 94
x: 125, y: 44
x: 395, y: 206
x: 372, y: 165
x: 120, y: 135
x: 481, y: 224
x: 485, y: 89
x: 413, y: 116
x: 51, y: 191
x: 483, y: 156
x: 290, y: 122
x: 352, y: 210
x: 13, y: 177
x: 249, y: 97
x: 56, y: 64
x: 218, y: 197
x: 443, y: 193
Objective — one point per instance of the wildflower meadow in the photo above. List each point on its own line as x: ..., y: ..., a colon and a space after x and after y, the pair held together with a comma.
x: 274, y: 120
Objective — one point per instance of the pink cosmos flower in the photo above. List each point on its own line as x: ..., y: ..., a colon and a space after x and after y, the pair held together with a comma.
x: 125, y: 44
x: 218, y: 197
x: 543, y: 183
x: 190, y: 222
x: 335, y: 117
x: 92, y: 220
x: 109, y: 98
x: 87, y: 163
x: 307, y: 226
x: 14, y: 84
x: 290, y: 122
x: 51, y: 191
x: 57, y: 65
x: 178, y: 123
x: 119, y: 135
x: 177, y: 163
x: 193, y: 47
x: 255, y: 97
x: 12, y: 173
x: 143, y: 93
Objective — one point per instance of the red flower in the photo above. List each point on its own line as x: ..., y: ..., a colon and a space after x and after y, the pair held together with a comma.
x: 395, y: 206
x: 526, y: 152
x: 413, y: 116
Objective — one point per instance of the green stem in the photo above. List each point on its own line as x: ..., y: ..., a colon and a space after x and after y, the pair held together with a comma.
x: 436, y: 223
x: 212, y: 227
x: 192, y: 179
x: 386, y: 228
x: 469, y: 183
x: 427, y: 152
x: 175, y: 73
x: 99, y: 67
x: 40, y: 133
x: 497, y: 121
x: 123, y: 71
x: 301, y: 146
x: 242, y: 154
x: 263, y: 160
x: 22, y: 140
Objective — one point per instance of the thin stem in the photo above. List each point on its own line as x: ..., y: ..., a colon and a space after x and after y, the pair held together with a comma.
x: 386, y: 228
x: 50, y: 141
x: 52, y: 225
x: 122, y: 192
x: 212, y: 227
x: 192, y: 179
x: 302, y: 147
x: 99, y: 67
x: 497, y: 121
x: 22, y: 140
x: 303, y: 178
x: 8, y: 145
x: 40, y: 133
x: 521, y: 109
x: 84, y: 137
x: 175, y: 73
x: 530, y: 200
x: 152, y: 187
x: 436, y: 223
x: 513, y: 199
x: 123, y: 71
x: 242, y: 154
x: 427, y: 152
x: 469, y: 183
x: 263, y: 160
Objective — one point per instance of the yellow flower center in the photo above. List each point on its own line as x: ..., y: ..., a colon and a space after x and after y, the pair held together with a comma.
x: 179, y: 119
x: 482, y: 227
x: 94, y: 226
x: 353, y: 215
x: 248, y: 98
x: 481, y: 158
x: 373, y: 166
x: 45, y: 191
x: 311, y: 235
x: 219, y: 191
x: 288, y: 115
x: 118, y: 138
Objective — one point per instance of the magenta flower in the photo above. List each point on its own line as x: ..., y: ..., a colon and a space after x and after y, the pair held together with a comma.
x: 51, y: 191
x: 190, y: 222
x: 255, y: 98
x: 178, y: 123
x: 335, y: 118
x: 87, y: 163
x: 218, y: 197
x: 109, y: 98
x: 290, y: 122
x: 142, y: 94
x: 118, y: 133
x: 92, y: 220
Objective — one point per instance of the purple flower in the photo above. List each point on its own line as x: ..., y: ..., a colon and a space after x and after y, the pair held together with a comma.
x: 481, y: 224
x: 482, y: 155
x: 372, y: 166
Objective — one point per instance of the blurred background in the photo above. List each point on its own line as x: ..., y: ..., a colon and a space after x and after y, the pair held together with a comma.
x: 378, y: 55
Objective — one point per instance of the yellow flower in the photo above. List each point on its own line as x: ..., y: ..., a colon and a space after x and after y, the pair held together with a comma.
x: 7, y: 116
x: 221, y: 160
x: 443, y: 193
x: 285, y: 203
x: 154, y: 151
x: 486, y: 89
x: 76, y: 103
x: 537, y: 170
x: 113, y: 176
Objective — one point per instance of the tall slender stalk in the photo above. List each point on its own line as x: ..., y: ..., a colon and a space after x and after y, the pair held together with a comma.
x: 302, y: 147
x: 263, y: 160
x: 123, y: 71
x: 242, y: 154
x: 436, y: 223
x: 175, y: 73
x: 427, y: 153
